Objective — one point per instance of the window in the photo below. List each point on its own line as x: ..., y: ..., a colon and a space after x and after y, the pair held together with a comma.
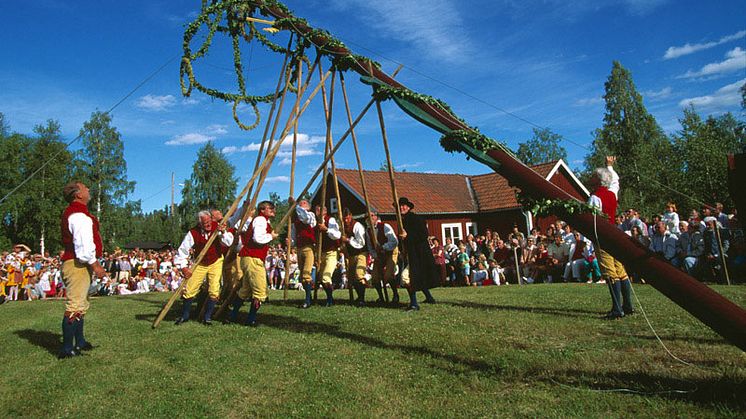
x: 471, y: 228
x: 451, y: 231
x: 333, y: 206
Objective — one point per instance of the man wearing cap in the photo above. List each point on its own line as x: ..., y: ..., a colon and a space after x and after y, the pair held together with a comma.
x: 83, y: 246
x: 357, y: 251
x: 210, y: 267
x: 420, y: 262
x: 385, y: 257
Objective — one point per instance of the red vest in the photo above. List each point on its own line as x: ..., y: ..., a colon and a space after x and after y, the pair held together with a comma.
x: 67, y: 237
x: 327, y: 244
x: 214, y: 252
x: 608, y: 202
x: 250, y: 247
x: 304, y: 234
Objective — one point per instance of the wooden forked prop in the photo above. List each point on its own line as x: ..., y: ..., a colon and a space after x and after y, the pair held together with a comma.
x: 267, y: 161
x: 289, y: 240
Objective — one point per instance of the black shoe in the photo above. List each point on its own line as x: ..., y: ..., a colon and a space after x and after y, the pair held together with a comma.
x: 395, y: 300
x: 430, y: 301
x: 304, y: 306
x: 360, y: 303
x: 380, y: 301
x: 86, y: 347
x: 629, y: 312
x: 180, y: 320
x: 252, y: 324
x: 207, y: 322
x: 612, y: 316
x: 329, y: 304
x: 413, y: 308
x: 71, y: 354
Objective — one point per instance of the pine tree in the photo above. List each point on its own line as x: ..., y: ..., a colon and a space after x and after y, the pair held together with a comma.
x: 212, y: 184
x: 545, y: 146
x: 645, y: 158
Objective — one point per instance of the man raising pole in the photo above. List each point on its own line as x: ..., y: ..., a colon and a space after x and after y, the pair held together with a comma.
x: 385, y: 257
x: 210, y: 267
x: 358, y: 255
x: 329, y: 251
x: 304, y: 223
x: 83, y: 246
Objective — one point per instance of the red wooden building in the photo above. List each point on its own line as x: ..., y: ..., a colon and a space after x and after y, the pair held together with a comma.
x: 453, y: 204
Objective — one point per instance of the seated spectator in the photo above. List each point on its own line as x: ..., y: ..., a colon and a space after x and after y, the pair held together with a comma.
x: 663, y: 243
x: 671, y: 218
x: 479, y: 275
x: 716, y: 245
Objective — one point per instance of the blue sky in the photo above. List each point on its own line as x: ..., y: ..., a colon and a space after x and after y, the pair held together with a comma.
x: 504, y: 66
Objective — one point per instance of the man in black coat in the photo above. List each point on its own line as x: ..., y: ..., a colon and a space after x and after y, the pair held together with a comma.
x: 421, y: 264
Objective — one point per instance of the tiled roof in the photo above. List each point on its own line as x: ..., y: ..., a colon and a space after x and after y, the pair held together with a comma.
x: 438, y: 193
x: 494, y: 193
x: 430, y: 192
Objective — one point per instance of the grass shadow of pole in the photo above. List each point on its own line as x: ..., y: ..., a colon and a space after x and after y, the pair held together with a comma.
x: 50, y: 341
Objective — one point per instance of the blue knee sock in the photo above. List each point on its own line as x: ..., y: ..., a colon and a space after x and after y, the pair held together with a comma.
x: 252, y: 312
x: 237, y: 303
x: 413, y: 299
x: 186, y: 308
x: 329, y: 299
x: 307, y: 286
x: 79, y: 338
x: 68, y: 333
x: 209, y: 309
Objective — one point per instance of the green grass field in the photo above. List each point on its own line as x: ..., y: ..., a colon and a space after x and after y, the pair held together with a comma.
x: 537, y: 350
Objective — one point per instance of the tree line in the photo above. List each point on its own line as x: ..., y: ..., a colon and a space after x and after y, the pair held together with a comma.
x: 687, y: 167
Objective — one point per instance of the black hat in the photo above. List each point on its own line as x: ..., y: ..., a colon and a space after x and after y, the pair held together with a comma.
x: 406, y: 201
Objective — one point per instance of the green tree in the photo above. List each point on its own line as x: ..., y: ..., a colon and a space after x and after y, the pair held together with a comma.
x: 13, y: 149
x: 211, y: 185
x: 645, y: 158
x: 38, y: 218
x: 703, y: 147
x: 100, y: 164
x: 545, y: 146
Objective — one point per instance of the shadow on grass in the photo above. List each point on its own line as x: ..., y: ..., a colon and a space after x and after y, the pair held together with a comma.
x: 687, y: 339
x: 567, y: 312
x: 42, y: 338
x: 723, y: 391
x: 296, y: 325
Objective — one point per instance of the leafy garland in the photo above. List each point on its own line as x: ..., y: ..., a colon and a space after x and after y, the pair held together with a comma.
x: 451, y: 141
x: 544, y: 207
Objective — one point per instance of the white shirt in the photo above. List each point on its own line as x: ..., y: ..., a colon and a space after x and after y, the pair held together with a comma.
x: 333, y: 231
x: 391, y: 240
x: 357, y: 240
x: 81, y: 228
x: 181, y: 259
x: 305, y: 217
x: 595, y: 201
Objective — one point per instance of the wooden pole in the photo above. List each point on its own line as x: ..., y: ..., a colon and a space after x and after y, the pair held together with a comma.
x: 394, y: 192
x: 289, y: 240
x: 517, y: 269
x: 722, y: 253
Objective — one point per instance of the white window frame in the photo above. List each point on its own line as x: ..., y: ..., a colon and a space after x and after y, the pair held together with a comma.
x: 451, y: 226
x: 471, y: 228
x: 333, y: 206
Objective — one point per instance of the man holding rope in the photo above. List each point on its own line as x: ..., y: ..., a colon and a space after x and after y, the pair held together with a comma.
x: 210, y: 267
x: 605, y: 183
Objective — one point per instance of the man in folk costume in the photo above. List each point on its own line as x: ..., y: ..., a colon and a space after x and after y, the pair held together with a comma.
x: 254, y: 246
x: 421, y: 271
x: 329, y: 250
x: 605, y: 182
x: 304, y: 235
x: 83, y: 246
x: 385, y: 257
x: 357, y: 252
x: 210, y: 267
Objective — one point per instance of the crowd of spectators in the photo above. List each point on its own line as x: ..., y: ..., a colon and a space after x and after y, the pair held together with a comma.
x: 703, y: 245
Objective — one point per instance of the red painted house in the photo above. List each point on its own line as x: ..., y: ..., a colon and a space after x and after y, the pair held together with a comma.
x: 454, y: 205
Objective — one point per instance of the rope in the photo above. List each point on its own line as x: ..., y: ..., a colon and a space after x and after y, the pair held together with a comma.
x: 109, y: 111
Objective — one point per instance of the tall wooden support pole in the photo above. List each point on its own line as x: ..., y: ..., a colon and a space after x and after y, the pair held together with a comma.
x: 394, y: 192
x: 723, y: 261
x: 293, y: 157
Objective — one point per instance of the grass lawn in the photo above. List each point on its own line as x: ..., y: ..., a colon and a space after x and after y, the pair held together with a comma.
x: 537, y: 350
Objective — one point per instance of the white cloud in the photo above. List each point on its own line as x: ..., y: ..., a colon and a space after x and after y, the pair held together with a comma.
x: 725, y: 96
x: 589, y: 101
x: 643, y: 7
x: 661, y: 94
x: 434, y: 27
x: 277, y: 179
x: 307, y: 145
x: 735, y: 60
x: 216, y: 129
x: 686, y: 49
x: 408, y: 165
x: 156, y: 103
x: 190, y: 101
x: 189, y: 139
